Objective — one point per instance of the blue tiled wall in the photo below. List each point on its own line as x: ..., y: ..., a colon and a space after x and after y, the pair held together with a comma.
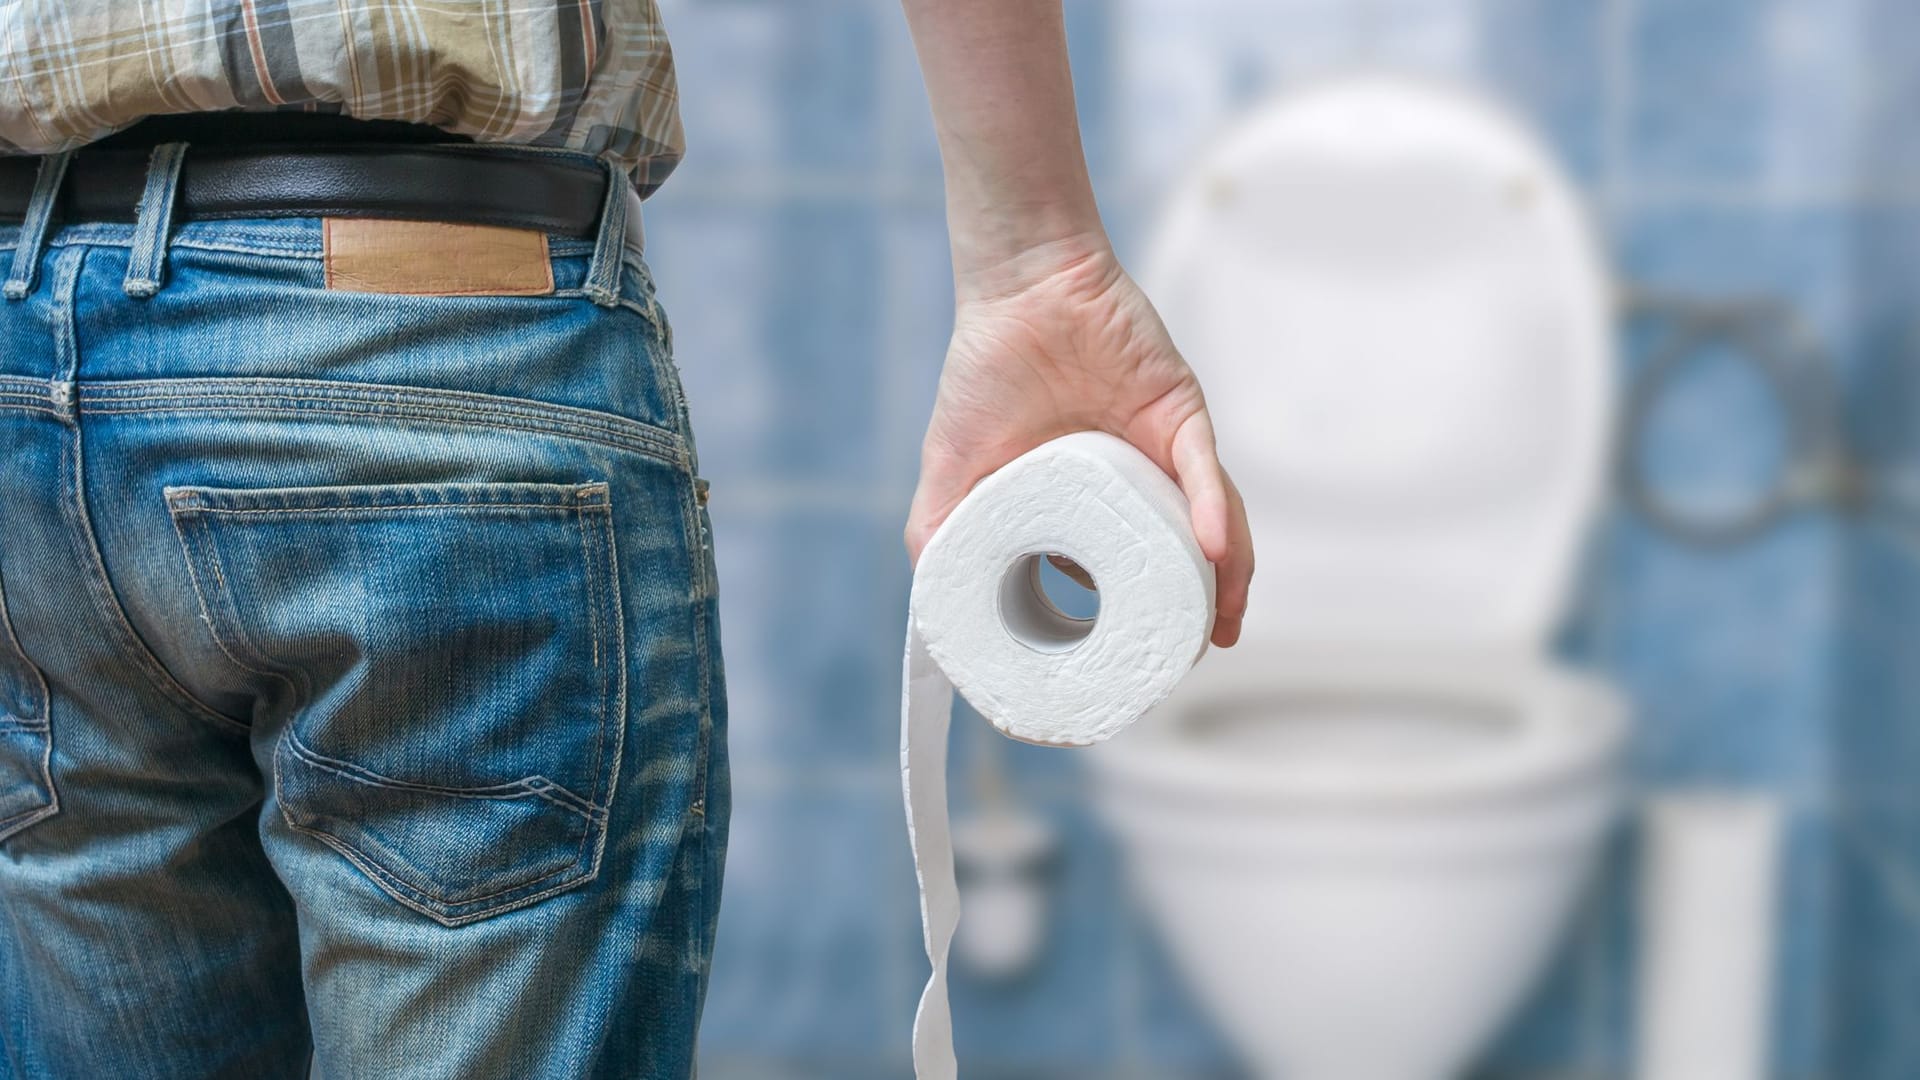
x: 1875, y: 965
x: 1730, y: 148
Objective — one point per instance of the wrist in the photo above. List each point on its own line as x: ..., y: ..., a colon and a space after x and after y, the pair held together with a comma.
x: 1017, y: 252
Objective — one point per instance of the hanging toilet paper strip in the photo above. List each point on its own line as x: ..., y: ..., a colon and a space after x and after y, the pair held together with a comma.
x: 978, y: 622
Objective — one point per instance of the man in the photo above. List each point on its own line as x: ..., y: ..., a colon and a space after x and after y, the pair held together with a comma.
x: 362, y: 703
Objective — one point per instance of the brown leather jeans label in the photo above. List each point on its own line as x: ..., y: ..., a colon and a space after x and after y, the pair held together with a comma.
x: 434, y: 258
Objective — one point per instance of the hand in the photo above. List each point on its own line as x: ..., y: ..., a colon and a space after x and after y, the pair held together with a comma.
x: 1060, y: 340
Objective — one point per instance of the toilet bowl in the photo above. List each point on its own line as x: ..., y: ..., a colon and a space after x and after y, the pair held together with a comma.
x: 1362, y: 830
x: 1360, y: 862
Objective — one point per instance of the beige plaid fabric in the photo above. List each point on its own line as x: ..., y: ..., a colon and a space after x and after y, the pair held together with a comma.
x: 591, y: 75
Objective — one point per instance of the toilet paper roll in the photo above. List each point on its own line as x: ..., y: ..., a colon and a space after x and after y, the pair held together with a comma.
x: 978, y: 622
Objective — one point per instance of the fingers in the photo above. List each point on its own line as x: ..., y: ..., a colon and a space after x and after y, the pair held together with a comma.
x: 1198, y: 470
x: 1077, y: 573
x: 1219, y: 522
x: 1233, y: 574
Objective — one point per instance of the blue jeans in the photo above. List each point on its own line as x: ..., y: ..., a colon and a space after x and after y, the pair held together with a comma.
x: 361, y: 705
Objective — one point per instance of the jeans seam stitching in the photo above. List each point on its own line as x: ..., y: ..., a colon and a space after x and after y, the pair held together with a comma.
x: 101, y: 588
x: 426, y: 396
x: 375, y: 508
x: 695, y: 536
x: 465, y: 495
x: 44, y: 716
x: 426, y: 903
x: 19, y: 822
x: 650, y: 447
x: 129, y: 389
x: 409, y: 887
x: 119, y: 234
x: 609, y: 428
x: 594, y: 634
x: 194, y: 552
x: 666, y: 373
x: 593, y: 419
x: 237, y: 244
x: 613, y: 723
x: 513, y: 789
x: 6, y: 821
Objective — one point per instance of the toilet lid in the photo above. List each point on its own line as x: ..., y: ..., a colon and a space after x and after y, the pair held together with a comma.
x: 1400, y: 317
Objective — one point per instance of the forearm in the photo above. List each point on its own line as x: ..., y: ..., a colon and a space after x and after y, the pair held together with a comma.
x: 1050, y: 335
x: 1002, y: 96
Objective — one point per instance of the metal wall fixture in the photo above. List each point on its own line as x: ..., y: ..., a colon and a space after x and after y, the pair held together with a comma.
x: 1816, y: 471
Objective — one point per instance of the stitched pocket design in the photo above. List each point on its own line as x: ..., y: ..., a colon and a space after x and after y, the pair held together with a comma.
x: 452, y: 660
x: 27, y: 793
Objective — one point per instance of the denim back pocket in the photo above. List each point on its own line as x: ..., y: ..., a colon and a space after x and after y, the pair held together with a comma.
x: 26, y: 740
x: 452, y: 662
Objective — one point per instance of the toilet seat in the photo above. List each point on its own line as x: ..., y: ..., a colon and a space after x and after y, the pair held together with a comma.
x: 1401, y: 317
x: 1382, y: 732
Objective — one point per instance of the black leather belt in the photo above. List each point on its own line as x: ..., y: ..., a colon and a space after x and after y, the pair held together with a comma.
x: 484, y: 185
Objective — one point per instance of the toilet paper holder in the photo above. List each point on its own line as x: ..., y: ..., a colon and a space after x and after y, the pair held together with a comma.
x: 1770, y: 336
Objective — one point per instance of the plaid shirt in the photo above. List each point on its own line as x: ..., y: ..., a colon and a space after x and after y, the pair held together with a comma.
x: 592, y: 75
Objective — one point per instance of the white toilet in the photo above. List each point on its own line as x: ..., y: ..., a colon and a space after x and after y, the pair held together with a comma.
x: 1362, y: 830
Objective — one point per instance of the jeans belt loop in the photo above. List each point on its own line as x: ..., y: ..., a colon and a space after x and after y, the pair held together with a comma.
x: 147, y: 263
x: 603, y: 273
x: 37, y: 226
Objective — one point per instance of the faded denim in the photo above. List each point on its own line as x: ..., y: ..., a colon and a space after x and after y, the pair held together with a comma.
x: 363, y: 703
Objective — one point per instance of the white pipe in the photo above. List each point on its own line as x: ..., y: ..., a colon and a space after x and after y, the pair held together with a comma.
x: 1709, y: 904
